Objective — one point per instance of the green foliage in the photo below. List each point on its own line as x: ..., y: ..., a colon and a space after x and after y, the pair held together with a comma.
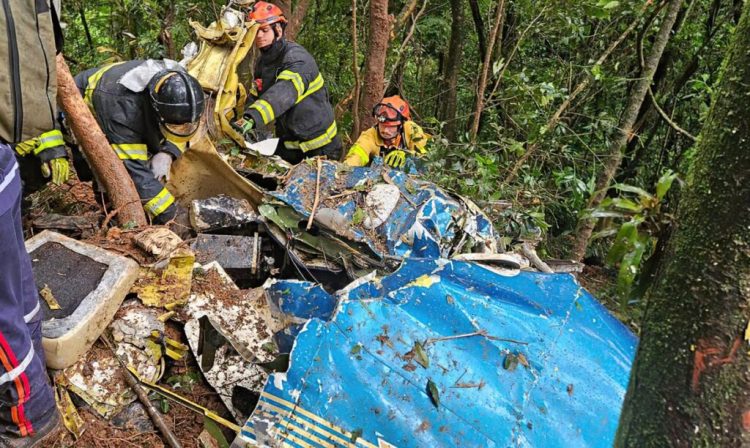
x: 640, y: 215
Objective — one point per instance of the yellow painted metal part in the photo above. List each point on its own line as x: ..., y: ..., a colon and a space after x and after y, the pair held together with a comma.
x: 70, y: 417
x: 168, y: 286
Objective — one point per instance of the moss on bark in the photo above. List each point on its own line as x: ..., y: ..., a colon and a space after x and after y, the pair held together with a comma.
x: 690, y: 383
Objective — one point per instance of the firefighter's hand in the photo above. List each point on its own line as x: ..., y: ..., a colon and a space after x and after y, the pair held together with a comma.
x: 160, y: 165
x: 243, y: 126
x: 58, y: 168
x: 395, y: 159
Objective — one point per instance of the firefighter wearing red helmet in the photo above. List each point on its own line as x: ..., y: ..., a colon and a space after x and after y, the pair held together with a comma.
x: 291, y: 93
x: 394, y: 137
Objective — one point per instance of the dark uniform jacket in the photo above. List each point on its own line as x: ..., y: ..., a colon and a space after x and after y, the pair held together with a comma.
x: 293, y: 94
x: 126, y: 117
x: 132, y: 128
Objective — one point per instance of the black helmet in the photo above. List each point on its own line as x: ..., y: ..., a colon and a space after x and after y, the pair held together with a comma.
x: 176, y: 96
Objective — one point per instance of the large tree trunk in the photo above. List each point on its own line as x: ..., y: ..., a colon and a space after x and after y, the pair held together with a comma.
x: 486, y: 65
x: 453, y: 69
x: 613, y: 156
x: 104, y: 162
x: 375, y: 66
x: 355, y: 71
x: 690, y: 383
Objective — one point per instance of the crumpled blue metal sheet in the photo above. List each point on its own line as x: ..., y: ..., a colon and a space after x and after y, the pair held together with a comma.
x: 429, y: 223
x: 353, y: 376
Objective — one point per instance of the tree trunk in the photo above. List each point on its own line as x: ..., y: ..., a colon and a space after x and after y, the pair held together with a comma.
x: 479, y: 25
x: 296, y: 18
x: 355, y: 70
x: 375, y: 66
x: 104, y: 163
x: 453, y: 70
x: 690, y: 383
x: 486, y: 65
x: 613, y: 156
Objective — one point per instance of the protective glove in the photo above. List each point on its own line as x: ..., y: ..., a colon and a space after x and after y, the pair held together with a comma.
x: 160, y: 165
x: 60, y: 170
x: 395, y: 159
x: 243, y: 126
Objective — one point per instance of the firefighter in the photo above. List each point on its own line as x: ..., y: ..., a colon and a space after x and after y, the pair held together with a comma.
x: 28, y: 84
x: 395, y: 137
x: 292, y: 93
x: 148, y: 110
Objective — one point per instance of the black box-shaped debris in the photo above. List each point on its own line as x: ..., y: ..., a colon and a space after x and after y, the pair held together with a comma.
x: 240, y: 256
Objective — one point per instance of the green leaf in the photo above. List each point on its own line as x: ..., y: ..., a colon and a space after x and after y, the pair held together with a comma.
x: 629, y: 268
x: 432, y: 391
x: 421, y: 355
x: 214, y: 431
x: 611, y: 5
x: 627, y: 204
x: 358, y: 216
x: 356, y: 349
x: 633, y: 189
x: 269, y: 347
x: 163, y: 405
x: 624, y: 241
x: 665, y: 183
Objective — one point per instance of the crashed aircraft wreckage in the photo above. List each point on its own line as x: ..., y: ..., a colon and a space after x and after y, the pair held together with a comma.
x: 381, y: 309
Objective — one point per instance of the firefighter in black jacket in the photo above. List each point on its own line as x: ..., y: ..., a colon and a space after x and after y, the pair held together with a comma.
x: 148, y: 110
x: 292, y: 93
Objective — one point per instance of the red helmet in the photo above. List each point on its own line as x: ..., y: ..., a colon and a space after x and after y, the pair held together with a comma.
x: 265, y: 14
x: 392, y: 111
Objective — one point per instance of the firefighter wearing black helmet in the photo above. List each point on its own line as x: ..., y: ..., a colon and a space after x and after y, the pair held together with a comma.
x: 148, y: 110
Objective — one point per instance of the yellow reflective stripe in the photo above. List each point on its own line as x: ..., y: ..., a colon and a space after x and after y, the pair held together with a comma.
x: 315, y: 143
x: 265, y: 110
x: 48, y: 140
x: 159, y: 203
x: 295, y: 79
x: 131, y: 151
x: 314, y: 86
x: 358, y: 151
x: 93, y: 81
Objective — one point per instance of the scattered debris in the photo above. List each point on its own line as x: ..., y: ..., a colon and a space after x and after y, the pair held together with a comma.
x: 48, y: 297
x: 169, y: 286
x: 432, y: 391
x: 220, y: 212
x: 159, y: 241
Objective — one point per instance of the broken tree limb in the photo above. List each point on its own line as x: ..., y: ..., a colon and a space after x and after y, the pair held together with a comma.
x: 104, y: 162
x: 169, y: 436
x: 530, y: 253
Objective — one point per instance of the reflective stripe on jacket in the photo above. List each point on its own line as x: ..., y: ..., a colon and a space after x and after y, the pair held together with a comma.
x: 293, y: 96
x: 126, y: 117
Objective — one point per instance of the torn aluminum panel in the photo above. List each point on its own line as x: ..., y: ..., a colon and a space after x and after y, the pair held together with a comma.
x: 450, y: 353
x: 425, y: 221
x: 244, y: 320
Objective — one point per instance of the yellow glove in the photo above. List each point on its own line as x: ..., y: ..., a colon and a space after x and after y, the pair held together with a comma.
x: 59, y: 169
x: 395, y: 159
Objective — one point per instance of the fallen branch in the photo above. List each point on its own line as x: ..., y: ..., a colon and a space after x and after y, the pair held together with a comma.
x: 531, y: 254
x: 469, y: 335
x: 317, y: 195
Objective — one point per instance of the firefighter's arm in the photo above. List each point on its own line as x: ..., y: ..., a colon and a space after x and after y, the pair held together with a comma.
x: 363, y: 149
x: 49, y: 148
x: 290, y: 88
